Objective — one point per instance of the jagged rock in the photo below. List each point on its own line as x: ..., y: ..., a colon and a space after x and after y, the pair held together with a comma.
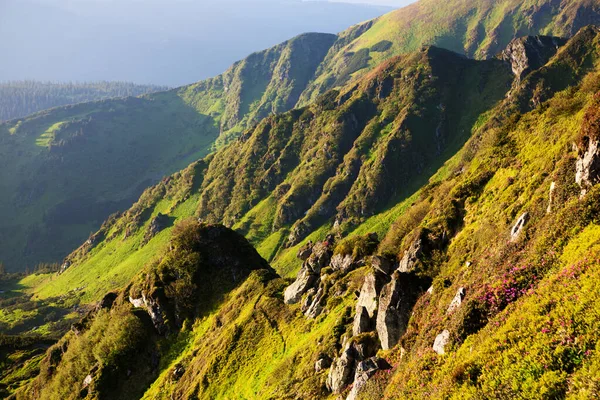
x: 305, y: 251
x: 551, y: 197
x: 516, y: 230
x: 343, y: 367
x: 364, y: 371
x: 306, y: 280
x: 344, y: 263
x: 308, y: 299
x: 321, y: 255
x: 411, y: 256
x: 439, y: 346
x: 340, y: 374
x: 369, y: 292
x: 588, y: 165
x: 383, y: 264
x: 362, y: 322
x: 530, y: 53
x: 322, y: 363
x: 395, y: 306
x: 315, y: 308
x: 457, y: 300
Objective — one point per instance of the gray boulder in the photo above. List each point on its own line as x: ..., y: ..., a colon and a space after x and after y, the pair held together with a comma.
x: 315, y: 308
x: 518, y: 227
x: 362, y: 322
x: 344, y: 263
x: 588, y: 165
x: 341, y: 372
x: 305, y: 280
x: 457, y: 300
x: 364, y: 371
x: 441, y: 341
x: 411, y: 256
x: 396, y: 301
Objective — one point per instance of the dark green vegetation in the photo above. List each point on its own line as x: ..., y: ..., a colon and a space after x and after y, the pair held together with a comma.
x: 97, y: 158
x: 21, y: 98
x: 441, y: 167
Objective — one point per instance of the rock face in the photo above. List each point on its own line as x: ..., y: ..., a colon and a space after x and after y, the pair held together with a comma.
x: 364, y: 371
x: 315, y: 257
x: 362, y: 322
x: 457, y: 300
x: 343, y: 367
x: 156, y: 225
x: 517, y: 228
x: 306, y: 280
x: 340, y: 374
x: 411, y: 256
x: 315, y: 308
x: 395, y: 306
x: 588, y: 165
x: 530, y: 53
x: 343, y: 263
x: 439, y: 346
x: 321, y: 255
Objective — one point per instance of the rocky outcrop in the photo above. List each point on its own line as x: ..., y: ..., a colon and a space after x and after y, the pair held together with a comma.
x: 305, y: 251
x: 343, y: 368
x: 362, y: 322
x: 383, y: 264
x: 364, y: 371
x: 395, y: 306
x: 588, y: 164
x: 343, y: 263
x: 157, y: 224
x: 305, y: 280
x: 441, y: 341
x: 154, y: 310
x: 321, y: 253
x: 457, y: 300
x: 530, y: 53
x: 316, y: 306
x: 315, y: 257
x: 340, y: 374
x: 411, y: 256
x: 518, y: 227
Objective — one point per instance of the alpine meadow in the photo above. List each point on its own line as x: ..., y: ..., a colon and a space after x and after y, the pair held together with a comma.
x: 408, y: 209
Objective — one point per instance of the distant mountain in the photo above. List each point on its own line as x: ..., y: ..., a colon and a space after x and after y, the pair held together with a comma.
x: 166, y: 42
x: 21, y: 98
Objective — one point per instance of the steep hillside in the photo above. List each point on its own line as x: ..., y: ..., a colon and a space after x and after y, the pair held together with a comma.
x: 142, y: 140
x: 67, y: 169
x: 480, y: 283
x: 21, y: 98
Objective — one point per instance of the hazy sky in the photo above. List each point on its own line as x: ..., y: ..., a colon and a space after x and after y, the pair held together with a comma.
x: 391, y: 3
x: 170, y: 42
